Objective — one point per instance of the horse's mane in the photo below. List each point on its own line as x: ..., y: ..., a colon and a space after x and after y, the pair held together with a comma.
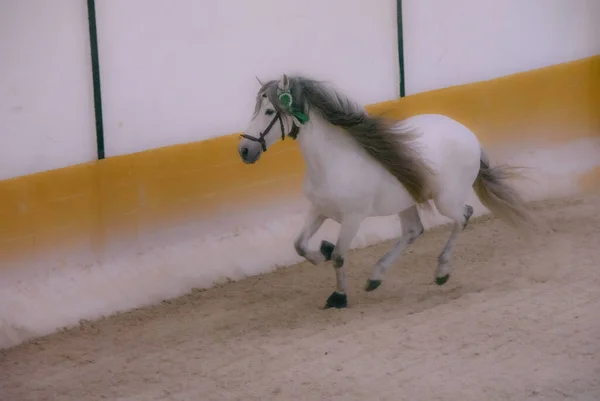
x: 378, y: 136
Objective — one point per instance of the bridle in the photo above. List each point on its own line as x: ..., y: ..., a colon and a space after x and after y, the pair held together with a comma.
x: 261, y: 138
x: 286, y: 101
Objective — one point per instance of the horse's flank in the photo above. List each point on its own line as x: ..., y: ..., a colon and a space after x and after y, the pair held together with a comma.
x: 381, y: 138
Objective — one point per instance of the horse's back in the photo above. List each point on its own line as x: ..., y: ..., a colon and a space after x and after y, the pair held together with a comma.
x: 438, y: 130
x: 452, y: 150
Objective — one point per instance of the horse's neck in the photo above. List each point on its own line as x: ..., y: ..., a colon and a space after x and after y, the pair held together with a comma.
x: 324, y: 146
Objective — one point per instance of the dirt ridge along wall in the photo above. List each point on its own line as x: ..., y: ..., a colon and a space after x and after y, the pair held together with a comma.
x: 93, y: 239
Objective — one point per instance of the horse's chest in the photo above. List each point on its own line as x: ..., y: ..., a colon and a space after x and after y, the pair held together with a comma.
x: 337, y: 193
x: 343, y: 180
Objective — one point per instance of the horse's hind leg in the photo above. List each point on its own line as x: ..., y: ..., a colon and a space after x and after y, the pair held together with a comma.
x: 460, y: 214
x: 412, y: 228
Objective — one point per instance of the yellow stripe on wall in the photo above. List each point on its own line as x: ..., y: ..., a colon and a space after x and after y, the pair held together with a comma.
x: 545, y: 104
x: 94, y: 205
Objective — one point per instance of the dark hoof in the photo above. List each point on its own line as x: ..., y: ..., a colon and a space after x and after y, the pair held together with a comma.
x: 442, y: 280
x: 327, y: 249
x: 336, y: 300
x: 372, y: 285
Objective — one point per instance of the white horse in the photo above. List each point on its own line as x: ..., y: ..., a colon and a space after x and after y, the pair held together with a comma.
x: 358, y: 166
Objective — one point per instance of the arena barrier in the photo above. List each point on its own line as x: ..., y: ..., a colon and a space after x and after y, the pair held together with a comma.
x: 90, y: 240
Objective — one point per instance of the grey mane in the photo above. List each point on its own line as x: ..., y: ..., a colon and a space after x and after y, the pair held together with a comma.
x: 375, y: 134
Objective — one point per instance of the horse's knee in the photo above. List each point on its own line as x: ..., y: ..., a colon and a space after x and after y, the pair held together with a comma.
x: 299, y: 248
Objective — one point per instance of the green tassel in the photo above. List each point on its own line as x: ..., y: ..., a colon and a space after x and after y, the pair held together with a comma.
x: 303, y: 118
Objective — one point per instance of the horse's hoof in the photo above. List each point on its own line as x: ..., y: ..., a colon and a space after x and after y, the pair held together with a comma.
x: 442, y: 280
x: 336, y: 300
x: 327, y: 249
x: 372, y: 285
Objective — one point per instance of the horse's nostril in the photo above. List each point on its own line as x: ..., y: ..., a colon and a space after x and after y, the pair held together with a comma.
x: 244, y: 152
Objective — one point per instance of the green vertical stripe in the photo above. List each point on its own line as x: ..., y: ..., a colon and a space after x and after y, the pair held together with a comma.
x: 400, y: 46
x: 96, y: 78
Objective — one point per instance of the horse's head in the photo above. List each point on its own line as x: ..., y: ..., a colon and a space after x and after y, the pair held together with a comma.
x: 277, y: 114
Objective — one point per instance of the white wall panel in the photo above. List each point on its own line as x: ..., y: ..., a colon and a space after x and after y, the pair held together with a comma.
x: 46, y: 95
x: 183, y: 71
x: 461, y: 41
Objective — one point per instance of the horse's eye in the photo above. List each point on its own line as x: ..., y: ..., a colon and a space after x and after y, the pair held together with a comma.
x: 269, y: 112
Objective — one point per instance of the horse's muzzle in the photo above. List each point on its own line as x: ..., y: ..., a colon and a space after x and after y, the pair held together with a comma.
x: 249, y: 151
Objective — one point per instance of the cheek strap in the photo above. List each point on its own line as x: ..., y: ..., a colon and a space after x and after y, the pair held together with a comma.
x: 261, y: 138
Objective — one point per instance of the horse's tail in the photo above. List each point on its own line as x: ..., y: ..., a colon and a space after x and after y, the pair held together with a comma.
x: 495, y: 193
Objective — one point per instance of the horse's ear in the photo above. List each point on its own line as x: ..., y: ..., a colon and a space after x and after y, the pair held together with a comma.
x: 284, y: 83
x: 259, y: 81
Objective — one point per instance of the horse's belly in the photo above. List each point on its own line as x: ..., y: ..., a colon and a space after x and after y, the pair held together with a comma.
x: 392, y: 198
x: 373, y: 192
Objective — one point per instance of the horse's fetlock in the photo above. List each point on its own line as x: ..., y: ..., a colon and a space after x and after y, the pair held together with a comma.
x: 338, y: 260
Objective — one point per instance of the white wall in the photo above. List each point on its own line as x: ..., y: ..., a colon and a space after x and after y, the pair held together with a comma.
x: 46, y: 101
x: 184, y: 71
x: 175, y: 72
x: 460, y: 41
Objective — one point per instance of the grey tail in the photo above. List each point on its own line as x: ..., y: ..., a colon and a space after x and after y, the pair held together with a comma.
x: 495, y: 193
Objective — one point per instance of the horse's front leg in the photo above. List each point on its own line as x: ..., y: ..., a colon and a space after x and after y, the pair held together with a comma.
x: 337, y: 254
x: 314, y: 221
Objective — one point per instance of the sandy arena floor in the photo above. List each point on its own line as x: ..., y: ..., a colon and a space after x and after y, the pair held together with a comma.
x: 518, y: 320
